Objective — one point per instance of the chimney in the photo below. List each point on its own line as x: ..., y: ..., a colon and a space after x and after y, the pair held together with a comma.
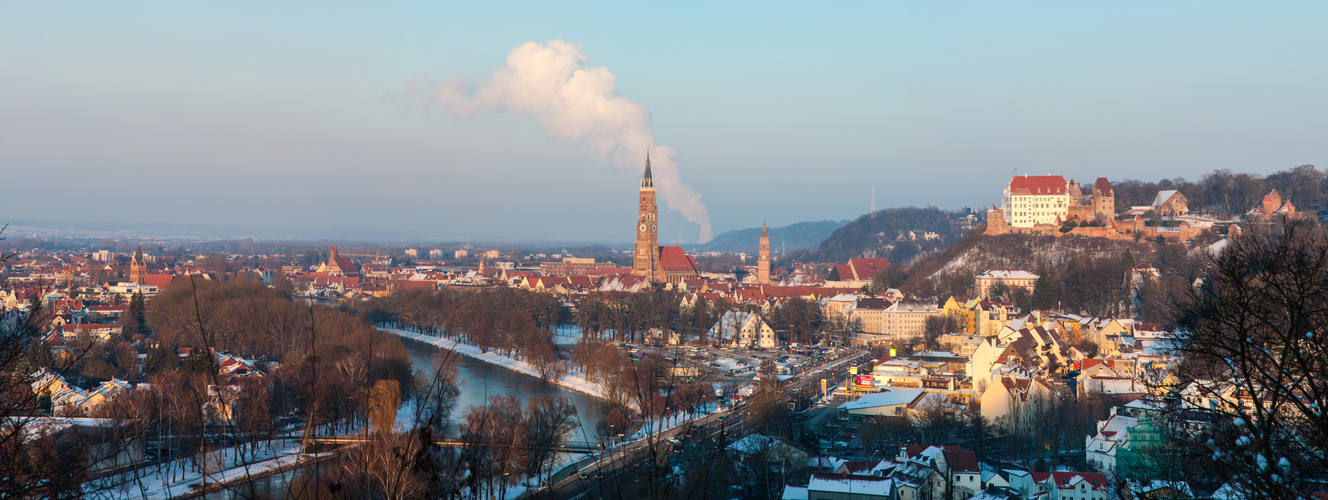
x: 332, y: 253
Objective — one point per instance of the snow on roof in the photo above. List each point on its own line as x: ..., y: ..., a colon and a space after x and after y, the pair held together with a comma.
x: 890, y: 398
x: 794, y: 493
x: 1163, y: 196
x: 752, y: 444
x: 847, y: 483
x: 1008, y: 274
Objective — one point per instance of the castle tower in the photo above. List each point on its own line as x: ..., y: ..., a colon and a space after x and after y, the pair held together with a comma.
x: 1104, y: 200
x: 763, y: 261
x: 645, y: 261
x: 138, y: 268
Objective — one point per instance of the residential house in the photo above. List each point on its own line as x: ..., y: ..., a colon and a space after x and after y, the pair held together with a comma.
x: 1013, y: 279
x: 743, y: 329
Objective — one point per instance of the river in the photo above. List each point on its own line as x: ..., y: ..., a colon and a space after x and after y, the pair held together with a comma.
x: 478, y: 380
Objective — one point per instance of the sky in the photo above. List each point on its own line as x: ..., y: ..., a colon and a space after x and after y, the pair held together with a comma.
x: 383, y: 115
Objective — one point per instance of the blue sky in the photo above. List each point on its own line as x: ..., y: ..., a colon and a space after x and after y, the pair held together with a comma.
x: 295, y: 114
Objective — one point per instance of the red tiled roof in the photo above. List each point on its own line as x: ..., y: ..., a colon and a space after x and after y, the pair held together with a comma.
x: 1066, y: 480
x: 1102, y: 185
x: 159, y: 280
x: 608, y: 271
x: 418, y: 285
x: 844, y: 271
x: 961, y: 461
x: 1038, y: 184
x: 674, y: 259
x: 866, y: 269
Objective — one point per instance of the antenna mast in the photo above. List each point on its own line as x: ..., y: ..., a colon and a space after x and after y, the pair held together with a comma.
x: 873, y: 205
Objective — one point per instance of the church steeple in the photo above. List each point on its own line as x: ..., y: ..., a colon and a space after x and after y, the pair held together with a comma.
x: 646, y: 260
x: 138, y: 268
x: 647, y: 180
x: 763, y: 257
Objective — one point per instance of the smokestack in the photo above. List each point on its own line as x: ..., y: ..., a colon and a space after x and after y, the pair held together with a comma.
x: 574, y: 102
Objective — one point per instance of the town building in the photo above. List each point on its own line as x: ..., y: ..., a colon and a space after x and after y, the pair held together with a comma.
x: 570, y: 266
x: 743, y: 329
x: 1013, y: 279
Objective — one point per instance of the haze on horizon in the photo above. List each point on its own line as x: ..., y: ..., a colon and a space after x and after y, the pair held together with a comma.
x: 306, y: 114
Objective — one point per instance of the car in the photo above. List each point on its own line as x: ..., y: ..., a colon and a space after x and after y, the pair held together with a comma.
x: 592, y: 474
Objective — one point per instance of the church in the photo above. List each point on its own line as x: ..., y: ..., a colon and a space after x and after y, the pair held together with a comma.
x: 656, y: 263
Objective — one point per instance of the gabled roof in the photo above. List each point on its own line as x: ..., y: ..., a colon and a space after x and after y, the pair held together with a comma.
x: 673, y: 258
x: 850, y: 483
x: 1069, y: 480
x: 961, y: 461
x: 1038, y: 185
x: 1163, y: 196
x: 866, y: 269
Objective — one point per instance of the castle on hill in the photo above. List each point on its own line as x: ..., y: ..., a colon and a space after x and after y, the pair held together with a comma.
x: 1048, y: 204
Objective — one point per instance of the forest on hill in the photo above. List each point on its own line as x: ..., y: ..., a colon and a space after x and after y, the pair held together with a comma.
x: 791, y: 237
x: 899, y: 234
x: 1229, y: 194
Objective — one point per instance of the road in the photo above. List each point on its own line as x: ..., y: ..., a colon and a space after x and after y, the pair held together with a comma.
x: 736, y: 421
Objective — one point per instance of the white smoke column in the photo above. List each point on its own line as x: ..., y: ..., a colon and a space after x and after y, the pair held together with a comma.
x: 574, y: 102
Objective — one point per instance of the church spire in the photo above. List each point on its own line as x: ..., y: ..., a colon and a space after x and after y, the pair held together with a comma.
x: 646, y: 180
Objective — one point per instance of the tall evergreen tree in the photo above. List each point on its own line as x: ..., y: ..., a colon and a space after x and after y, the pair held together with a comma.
x: 1046, y: 290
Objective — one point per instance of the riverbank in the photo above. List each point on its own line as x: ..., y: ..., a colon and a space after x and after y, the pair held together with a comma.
x: 571, y: 381
x: 152, y: 483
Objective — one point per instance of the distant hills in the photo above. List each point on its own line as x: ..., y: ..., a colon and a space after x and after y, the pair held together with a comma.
x: 899, y: 234
x: 791, y: 237
x: 172, y: 231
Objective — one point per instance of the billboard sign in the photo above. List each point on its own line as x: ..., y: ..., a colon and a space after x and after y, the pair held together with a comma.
x: 864, y: 381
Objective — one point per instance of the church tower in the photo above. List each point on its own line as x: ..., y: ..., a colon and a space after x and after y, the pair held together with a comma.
x: 645, y: 261
x: 763, y: 261
x: 138, y: 268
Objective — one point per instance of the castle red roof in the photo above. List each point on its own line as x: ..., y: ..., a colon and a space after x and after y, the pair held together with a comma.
x: 1102, y: 186
x: 1038, y: 184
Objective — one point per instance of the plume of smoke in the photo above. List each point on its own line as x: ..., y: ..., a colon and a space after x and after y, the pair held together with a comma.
x: 552, y: 83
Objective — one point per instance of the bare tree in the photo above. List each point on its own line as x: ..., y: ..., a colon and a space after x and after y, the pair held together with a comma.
x: 548, y: 423
x: 1253, y: 337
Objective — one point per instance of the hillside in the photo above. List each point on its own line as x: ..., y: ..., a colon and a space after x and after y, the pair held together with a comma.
x: 899, y: 234
x: 791, y: 237
x: 1089, y: 272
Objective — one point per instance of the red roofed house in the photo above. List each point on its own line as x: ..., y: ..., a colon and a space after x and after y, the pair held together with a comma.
x: 857, y: 273
x: 1077, y: 485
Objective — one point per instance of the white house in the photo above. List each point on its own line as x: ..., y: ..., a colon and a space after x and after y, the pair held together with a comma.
x: 1007, y: 393
x: 743, y: 329
x: 1112, y: 435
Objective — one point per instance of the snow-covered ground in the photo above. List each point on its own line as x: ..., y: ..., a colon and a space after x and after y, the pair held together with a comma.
x: 573, y: 381
x: 567, y: 335
x: 154, y: 483
x: 729, y: 364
